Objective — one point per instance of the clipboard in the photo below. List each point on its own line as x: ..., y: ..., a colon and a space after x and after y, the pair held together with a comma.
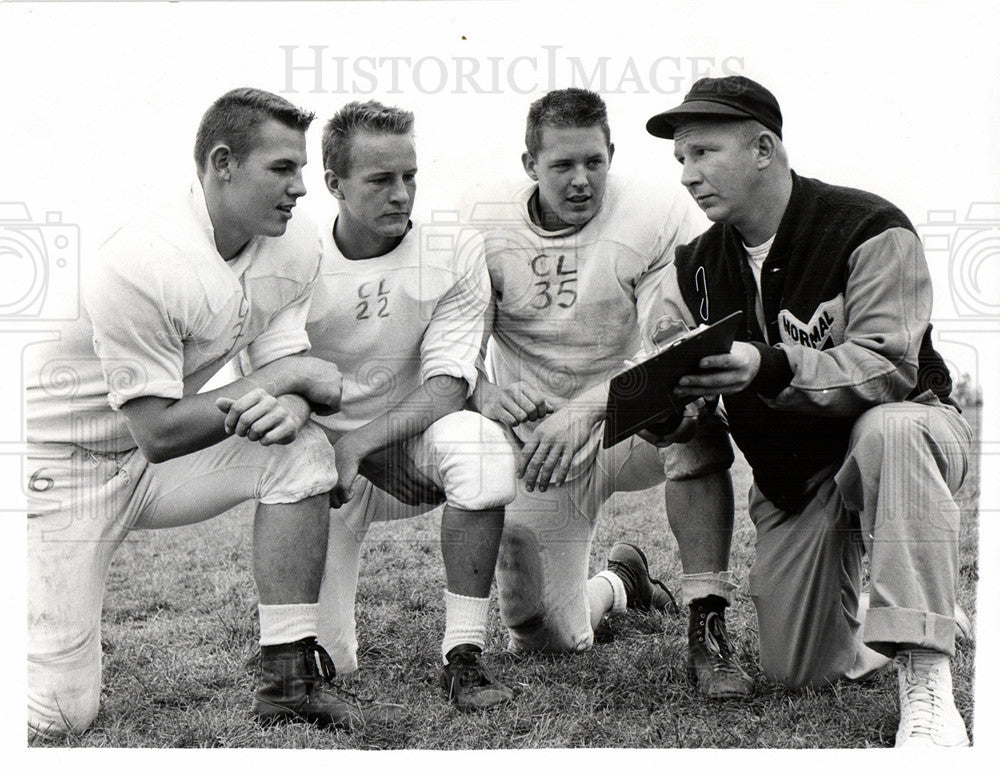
x: 643, y: 394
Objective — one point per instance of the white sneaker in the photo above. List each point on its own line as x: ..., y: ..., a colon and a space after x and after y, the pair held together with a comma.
x: 927, y: 713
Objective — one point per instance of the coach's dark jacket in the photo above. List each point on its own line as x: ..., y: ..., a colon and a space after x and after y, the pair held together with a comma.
x: 846, y: 299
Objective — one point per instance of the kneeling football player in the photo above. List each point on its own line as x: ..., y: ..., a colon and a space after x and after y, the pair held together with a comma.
x: 400, y: 310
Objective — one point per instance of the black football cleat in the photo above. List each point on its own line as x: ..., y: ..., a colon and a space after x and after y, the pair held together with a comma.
x: 469, y: 684
x: 643, y: 592
x: 712, y: 664
x: 298, y: 686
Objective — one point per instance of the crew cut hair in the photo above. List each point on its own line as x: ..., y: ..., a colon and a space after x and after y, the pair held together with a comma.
x: 233, y: 120
x: 565, y: 108
x: 353, y: 118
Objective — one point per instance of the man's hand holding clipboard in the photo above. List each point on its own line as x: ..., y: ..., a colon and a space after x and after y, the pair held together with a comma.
x: 657, y: 389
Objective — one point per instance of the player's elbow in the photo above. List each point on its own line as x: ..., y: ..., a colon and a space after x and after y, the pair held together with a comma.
x: 155, y: 429
x: 156, y: 452
x: 157, y: 446
x: 450, y: 392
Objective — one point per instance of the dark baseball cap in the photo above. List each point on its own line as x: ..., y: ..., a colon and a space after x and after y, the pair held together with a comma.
x: 733, y: 97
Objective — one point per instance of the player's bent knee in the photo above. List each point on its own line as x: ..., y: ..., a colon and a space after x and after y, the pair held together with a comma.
x: 63, y: 680
x: 537, y: 636
x: 537, y: 622
x: 475, y: 461
x: 483, y: 493
x: 305, y: 468
x: 709, y: 451
x: 55, y: 715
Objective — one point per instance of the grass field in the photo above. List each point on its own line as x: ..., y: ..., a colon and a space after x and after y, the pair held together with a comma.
x: 180, y: 654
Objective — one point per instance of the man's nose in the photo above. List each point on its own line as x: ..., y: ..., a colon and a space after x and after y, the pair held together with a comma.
x: 298, y: 185
x: 689, y: 175
x: 399, y: 193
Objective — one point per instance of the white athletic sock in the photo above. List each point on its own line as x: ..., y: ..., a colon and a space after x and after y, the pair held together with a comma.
x: 617, y: 590
x: 285, y: 623
x: 699, y: 585
x: 465, y: 619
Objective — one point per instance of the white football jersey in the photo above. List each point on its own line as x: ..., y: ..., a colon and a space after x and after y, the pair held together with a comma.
x: 571, y: 306
x: 163, y: 312
x: 392, y: 322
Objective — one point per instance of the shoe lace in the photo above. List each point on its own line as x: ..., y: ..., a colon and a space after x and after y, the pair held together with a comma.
x: 716, y: 642
x: 469, y: 670
x: 673, y: 609
x: 917, y: 704
x: 318, y: 661
x: 324, y: 673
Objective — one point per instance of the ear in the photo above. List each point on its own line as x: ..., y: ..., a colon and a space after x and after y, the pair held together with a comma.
x: 333, y: 184
x: 766, y: 147
x: 611, y: 152
x: 529, y: 165
x: 221, y: 162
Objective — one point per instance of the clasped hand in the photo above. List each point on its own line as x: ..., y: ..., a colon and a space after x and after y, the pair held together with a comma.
x: 513, y: 405
x: 259, y: 416
x: 546, y: 457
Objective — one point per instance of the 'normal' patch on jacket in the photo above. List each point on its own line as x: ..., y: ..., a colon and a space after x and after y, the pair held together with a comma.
x: 824, y: 330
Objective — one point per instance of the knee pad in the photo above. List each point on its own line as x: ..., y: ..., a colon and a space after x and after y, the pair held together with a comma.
x: 475, y: 461
x: 302, y: 469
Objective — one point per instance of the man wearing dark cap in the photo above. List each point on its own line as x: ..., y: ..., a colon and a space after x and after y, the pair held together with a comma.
x: 837, y: 399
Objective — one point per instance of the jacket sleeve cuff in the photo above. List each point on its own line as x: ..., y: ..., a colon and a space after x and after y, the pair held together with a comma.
x: 775, y: 373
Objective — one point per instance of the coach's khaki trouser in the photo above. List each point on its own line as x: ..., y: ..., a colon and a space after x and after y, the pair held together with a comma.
x: 82, y: 504
x: 894, y: 497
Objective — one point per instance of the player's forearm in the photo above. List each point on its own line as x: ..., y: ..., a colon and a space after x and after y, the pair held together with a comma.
x: 279, y: 377
x: 164, y: 429
x: 316, y: 380
x: 437, y: 397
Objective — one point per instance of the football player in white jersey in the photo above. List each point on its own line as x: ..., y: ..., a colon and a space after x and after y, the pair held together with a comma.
x: 399, y: 308
x: 122, y: 438
x: 576, y: 260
